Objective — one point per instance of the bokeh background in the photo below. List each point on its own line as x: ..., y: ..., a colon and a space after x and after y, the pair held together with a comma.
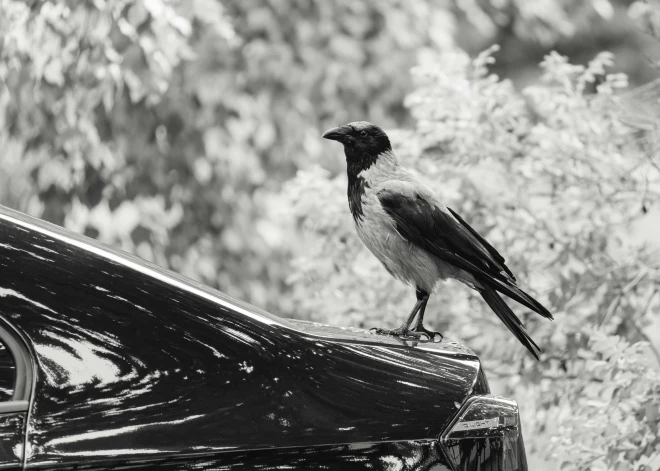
x: 188, y: 132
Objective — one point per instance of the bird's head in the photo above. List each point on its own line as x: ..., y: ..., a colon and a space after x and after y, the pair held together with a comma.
x: 363, y: 142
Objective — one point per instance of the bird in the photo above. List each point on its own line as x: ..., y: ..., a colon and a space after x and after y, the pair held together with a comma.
x: 418, y: 239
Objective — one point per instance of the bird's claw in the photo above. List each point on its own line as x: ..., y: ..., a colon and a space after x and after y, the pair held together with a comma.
x: 400, y: 332
x: 430, y: 334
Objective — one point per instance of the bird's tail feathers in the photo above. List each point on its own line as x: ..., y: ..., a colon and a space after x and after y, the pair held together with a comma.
x: 519, y: 295
x: 507, y: 316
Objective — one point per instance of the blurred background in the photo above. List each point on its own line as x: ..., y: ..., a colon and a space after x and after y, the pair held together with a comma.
x: 188, y: 133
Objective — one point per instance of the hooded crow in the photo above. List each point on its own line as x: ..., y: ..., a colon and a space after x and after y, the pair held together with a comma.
x: 417, y: 238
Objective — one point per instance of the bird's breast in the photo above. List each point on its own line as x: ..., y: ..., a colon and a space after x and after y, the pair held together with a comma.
x: 401, y: 258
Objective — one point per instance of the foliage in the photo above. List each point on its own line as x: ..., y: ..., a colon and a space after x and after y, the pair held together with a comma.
x: 167, y: 127
x: 555, y: 179
x: 537, y: 21
x: 609, y: 420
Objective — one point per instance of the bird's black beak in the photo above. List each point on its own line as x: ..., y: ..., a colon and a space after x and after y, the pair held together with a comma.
x: 336, y: 134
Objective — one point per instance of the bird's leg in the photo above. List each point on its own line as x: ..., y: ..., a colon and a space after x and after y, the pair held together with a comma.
x: 423, y: 297
x: 404, y: 330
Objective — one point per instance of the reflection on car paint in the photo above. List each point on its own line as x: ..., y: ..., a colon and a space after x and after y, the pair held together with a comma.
x: 138, y: 366
x: 403, y: 456
x: 11, y: 433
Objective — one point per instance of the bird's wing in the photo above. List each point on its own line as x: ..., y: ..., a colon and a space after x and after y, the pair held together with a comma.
x: 491, y: 250
x: 427, y: 223
x: 422, y: 220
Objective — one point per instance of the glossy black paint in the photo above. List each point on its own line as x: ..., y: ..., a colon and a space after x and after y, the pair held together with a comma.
x: 12, y: 427
x: 404, y: 456
x: 137, y: 363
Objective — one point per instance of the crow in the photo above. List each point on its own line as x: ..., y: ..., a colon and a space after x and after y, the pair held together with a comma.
x: 417, y: 238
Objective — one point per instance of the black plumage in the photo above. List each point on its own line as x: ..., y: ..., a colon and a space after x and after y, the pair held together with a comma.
x: 424, y: 225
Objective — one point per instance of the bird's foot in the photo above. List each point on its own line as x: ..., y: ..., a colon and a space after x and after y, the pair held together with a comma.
x: 401, y: 332
x: 431, y: 334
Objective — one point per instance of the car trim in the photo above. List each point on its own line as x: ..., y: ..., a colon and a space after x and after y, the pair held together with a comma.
x: 26, y: 367
x: 24, y: 371
x: 14, y: 406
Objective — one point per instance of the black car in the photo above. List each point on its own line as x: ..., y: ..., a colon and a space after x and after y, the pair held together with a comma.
x: 110, y: 362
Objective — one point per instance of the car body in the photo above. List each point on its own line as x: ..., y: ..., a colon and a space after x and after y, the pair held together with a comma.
x: 111, y: 362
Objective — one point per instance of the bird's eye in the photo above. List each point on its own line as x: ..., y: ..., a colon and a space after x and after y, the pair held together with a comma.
x: 363, y: 133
